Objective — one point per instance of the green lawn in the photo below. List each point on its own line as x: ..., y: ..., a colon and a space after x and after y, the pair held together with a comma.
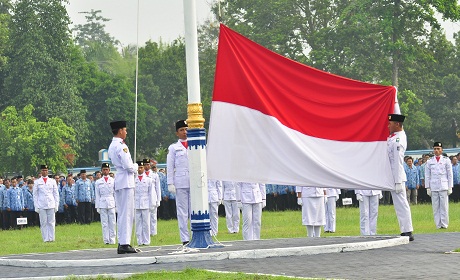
x: 274, y: 225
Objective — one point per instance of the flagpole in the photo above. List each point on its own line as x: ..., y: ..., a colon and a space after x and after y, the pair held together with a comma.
x: 137, y: 76
x: 196, y: 136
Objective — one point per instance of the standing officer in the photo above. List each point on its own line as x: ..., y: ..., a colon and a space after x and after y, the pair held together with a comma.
x: 70, y: 203
x: 124, y: 185
x: 368, y: 210
x: 311, y: 199
x: 152, y: 174
x: 214, y: 200
x: 252, y: 197
x: 104, y: 189
x: 232, y: 212
x: 439, y: 183
x: 84, y: 193
x: 46, y: 202
x: 144, y: 198
x: 179, y: 179
x: 332, y: 195
x: 14, y: 203
x: 397, y: 144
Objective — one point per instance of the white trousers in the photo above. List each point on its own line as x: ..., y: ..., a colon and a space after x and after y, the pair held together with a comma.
x: 368, y: 213
x: 402, y: 211
x: 252, y: 221
x: 47, y: 224
x: 330, y: 214
x: 232, y: 216
x: 143, y: 226
x: 183, y: 206
x: 214, y: 217
x: 108, y: 222
x: 313, y: 231
x: 153, y: 221
x: 125, y: 219
x: 440, y: 203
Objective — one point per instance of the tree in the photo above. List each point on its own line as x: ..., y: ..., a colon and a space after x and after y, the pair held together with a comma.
x: 40, y: 71
x: 29, y: 143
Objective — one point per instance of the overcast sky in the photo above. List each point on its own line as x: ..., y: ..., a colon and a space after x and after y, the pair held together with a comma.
x: 157, y: 18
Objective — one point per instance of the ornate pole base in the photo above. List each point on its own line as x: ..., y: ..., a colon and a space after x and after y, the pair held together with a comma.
x: 201, y: 234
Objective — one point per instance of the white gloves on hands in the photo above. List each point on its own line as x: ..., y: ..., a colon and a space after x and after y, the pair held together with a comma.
x: 37, y: 210
x: 98, y: 210
x: 264, y: 203
x: 449, y: 191
x: 299, y: 201
x: 56, y: 209
x: 359, y: 197
x: 221, y: 201
x: 239, y: 204
x: 428, y: 192
x: 172, y: 188
x: 398, y: 188
x: 380, y: 196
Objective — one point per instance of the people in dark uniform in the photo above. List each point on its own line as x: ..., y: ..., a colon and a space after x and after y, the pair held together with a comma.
x: 124, y: 186
x: 84, y: 195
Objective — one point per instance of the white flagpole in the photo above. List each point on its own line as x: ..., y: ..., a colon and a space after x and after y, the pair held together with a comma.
x: 137, y: 76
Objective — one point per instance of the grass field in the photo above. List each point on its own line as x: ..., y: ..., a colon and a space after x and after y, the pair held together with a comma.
x: 285, y: 224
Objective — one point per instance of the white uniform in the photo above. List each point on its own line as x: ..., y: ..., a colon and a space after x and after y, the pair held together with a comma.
x: 251, y: 196
x: 178, y: 175
x: 124, y: 188
x: 332, y: 195
x: 232, y: 213
x: 397, y: 144
x: 368, y: 211
x: 46, y: 199
x: 439, y: 178
x: 154, y: 210
x: 313, y: 214
x: 214, y: 197
x: 105, y: 201
x: 144, y: 199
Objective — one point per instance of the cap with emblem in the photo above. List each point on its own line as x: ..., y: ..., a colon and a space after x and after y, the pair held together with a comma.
x: 140, y: 163
x: 105, y: 165
x: 180, y: 124
x: 396, y: 118
x: 43, y: 166
x: 437, y: 144
x: 146, y: 161
x: 117, y: 124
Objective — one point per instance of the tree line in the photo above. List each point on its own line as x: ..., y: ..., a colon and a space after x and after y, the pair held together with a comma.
x: 60, y: 87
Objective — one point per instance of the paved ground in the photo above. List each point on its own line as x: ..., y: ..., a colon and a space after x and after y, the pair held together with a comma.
x: 425, y: 258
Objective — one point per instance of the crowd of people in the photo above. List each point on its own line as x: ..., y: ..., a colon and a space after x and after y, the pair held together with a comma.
x: 141, y: 193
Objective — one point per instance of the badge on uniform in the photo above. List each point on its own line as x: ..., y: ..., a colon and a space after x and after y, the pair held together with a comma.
x: 125, y: 150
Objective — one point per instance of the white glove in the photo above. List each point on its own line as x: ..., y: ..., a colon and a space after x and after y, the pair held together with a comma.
x: 264, y: 203
x: 299, y: 201
x: 221, y: 202
x: 336, y: 198
x: 158, y: 203
x: 56, y: 209
x: 359, y: 197
x: 240, y: 205
x: 98, y: 210
x: 428, y: 192
x: 172, y: 188
x: 380, y: 196
x: 37, y: 210
x: 449, y: 191
x: 398, y: 188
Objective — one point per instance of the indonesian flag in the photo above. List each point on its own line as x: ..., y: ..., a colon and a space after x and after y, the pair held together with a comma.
x: 274, y: 120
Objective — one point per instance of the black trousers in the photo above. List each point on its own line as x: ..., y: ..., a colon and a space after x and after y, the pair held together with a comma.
x: 84, y: 212
x: 70, y: 214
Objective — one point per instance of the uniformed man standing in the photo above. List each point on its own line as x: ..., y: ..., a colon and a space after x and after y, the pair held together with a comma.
x: 332, y: 195
x: 104, y: 189
x: 153, y: 174
x: 124, y: 185
x: 232, y: 213
x: 252, y: 197
x: 368, y: 210
x: 84, y: 193
x: 46, y: 202
x: 439, y: 183
x: 397, y: 144
x: 214, y: 200
x: 14, y: 202
x: 144, y: 199
x: 179, y: 179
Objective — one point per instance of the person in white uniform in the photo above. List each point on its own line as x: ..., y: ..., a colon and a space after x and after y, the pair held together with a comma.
x: 179, y: 179
x: 332, y: 195
x: 104, y: 189
x: 153, y: 174
x: 144, y: 199
x: 46, y: 202
x: 252, y: 197
x: 439, y: 183
x: 215, y: 199
x: 124, y: 186
x: 313, y: 215
x: 232, y: 212
x: 368, y: 210
x: 397, y: 144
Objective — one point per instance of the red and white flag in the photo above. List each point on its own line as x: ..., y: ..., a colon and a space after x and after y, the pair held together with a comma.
x: 274, y: 120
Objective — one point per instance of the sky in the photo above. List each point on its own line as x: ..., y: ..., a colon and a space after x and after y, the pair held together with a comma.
x: 157, y: 18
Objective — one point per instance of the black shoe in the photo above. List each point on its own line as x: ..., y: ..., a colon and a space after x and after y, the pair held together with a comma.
x: 411, y: 236
x: 125, y: 249
x: 185, y: 243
